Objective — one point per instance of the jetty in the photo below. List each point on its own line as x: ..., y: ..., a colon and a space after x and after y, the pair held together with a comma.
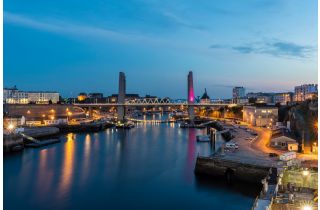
x: 249, y: 170
x: 34, y: 143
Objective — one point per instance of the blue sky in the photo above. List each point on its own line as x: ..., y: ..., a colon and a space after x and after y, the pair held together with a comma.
x: 78, y: 45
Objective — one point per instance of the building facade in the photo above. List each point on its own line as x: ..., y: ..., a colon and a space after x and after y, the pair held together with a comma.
x: 262, y: 116
x: 15, y: 96
x: 283, y: 98
x: 43, y: 97
x: 237, y: 93
x: 306, y: 91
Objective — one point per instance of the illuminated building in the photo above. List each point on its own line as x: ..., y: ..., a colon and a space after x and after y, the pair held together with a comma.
x: 304, y: 92
x: 15, y: 96
x: 82, y: 96
x: 283, y: 98
x: 262, y: 116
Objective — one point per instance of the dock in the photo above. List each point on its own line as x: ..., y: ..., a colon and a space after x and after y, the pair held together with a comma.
x: 231, y: 169
x: 29, y: 141
x: 41, y: 132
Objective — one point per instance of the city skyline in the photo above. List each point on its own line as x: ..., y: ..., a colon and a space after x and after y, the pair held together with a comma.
x: 58, y: 45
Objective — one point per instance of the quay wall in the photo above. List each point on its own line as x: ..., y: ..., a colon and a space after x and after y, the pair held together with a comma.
x: 231, y: 170
x: 39, y: 132
x: 39, y: 110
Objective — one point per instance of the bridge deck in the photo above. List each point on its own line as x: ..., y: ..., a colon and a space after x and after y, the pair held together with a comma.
x: 148, y: 104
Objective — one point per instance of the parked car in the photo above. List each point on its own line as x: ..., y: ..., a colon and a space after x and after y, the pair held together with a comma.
x: 231, y: 145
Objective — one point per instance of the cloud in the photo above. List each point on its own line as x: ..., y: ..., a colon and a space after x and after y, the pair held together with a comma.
x: 274, y: 48
x: 180, y: 21
x: 243, y: 49
x: 288, y: 49
x: 72, y: 29
x: 217, y: 46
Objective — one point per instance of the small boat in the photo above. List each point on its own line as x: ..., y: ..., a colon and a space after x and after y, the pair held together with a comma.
x: 127, y: 125
x: 203, y: 138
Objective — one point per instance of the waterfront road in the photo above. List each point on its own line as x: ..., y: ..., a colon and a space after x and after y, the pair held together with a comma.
x: 263, y: 140
x: 246, y: 152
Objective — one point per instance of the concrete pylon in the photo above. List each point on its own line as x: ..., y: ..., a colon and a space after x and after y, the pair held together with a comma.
x: 190, y: 97
x: 121, y: 97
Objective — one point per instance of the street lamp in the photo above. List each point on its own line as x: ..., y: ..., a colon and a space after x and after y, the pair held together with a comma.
x: 306, y: 207
x: 305, y: 172
x: 11, y: 126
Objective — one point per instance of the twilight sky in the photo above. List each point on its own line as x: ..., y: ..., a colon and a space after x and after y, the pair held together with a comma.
x: 77, y: 46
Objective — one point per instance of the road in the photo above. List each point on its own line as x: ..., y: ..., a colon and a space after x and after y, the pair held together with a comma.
x: 262, y: 144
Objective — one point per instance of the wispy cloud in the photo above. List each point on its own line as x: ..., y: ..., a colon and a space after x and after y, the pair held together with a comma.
x: 274, y: 48
x: 69, y: 28
x: 182, y: 22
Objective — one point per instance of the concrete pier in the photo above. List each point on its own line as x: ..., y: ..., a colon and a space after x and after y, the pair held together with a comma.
x: 232, y: 169
x: 39, y: 132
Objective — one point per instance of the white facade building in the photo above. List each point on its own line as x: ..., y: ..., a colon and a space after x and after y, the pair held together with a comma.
x: 15, y: 96
x: 260, y: 115
x: 43, y: 97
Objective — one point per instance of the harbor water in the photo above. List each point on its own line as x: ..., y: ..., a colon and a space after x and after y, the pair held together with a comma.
x: 148, y: 167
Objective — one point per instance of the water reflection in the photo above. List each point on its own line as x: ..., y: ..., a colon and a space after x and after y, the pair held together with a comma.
x: 43, y: 176
x: 86, y: 158
x: 190, y: 154
x: 147, y: 167
x: 67, y: 166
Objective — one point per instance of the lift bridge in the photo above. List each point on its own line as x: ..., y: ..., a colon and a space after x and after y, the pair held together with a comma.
x: 122, y: 103
x: 152, y: 102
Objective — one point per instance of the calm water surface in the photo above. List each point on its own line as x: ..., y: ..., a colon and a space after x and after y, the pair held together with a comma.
x: 148, y: 167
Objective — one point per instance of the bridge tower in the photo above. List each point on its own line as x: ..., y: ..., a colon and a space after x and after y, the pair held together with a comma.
x: 190, y: 97
x: 121, y: 96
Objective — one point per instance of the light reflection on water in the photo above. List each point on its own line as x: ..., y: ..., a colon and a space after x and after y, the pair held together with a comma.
x: 67, y: 166
x: 147, y: 167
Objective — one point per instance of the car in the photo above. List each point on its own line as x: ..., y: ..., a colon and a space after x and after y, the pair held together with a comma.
x: 231, y: 145
x: 273, y: 154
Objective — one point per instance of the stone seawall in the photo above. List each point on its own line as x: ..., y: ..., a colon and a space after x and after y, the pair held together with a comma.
x: 231, y: 170
x: 38, y: 110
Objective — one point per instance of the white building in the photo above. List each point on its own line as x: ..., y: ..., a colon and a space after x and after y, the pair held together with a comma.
x: 260, y: 115
x: 15, y: 96
x: 43, y: 97
x: 56, y: 121
x: 304, y: 92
